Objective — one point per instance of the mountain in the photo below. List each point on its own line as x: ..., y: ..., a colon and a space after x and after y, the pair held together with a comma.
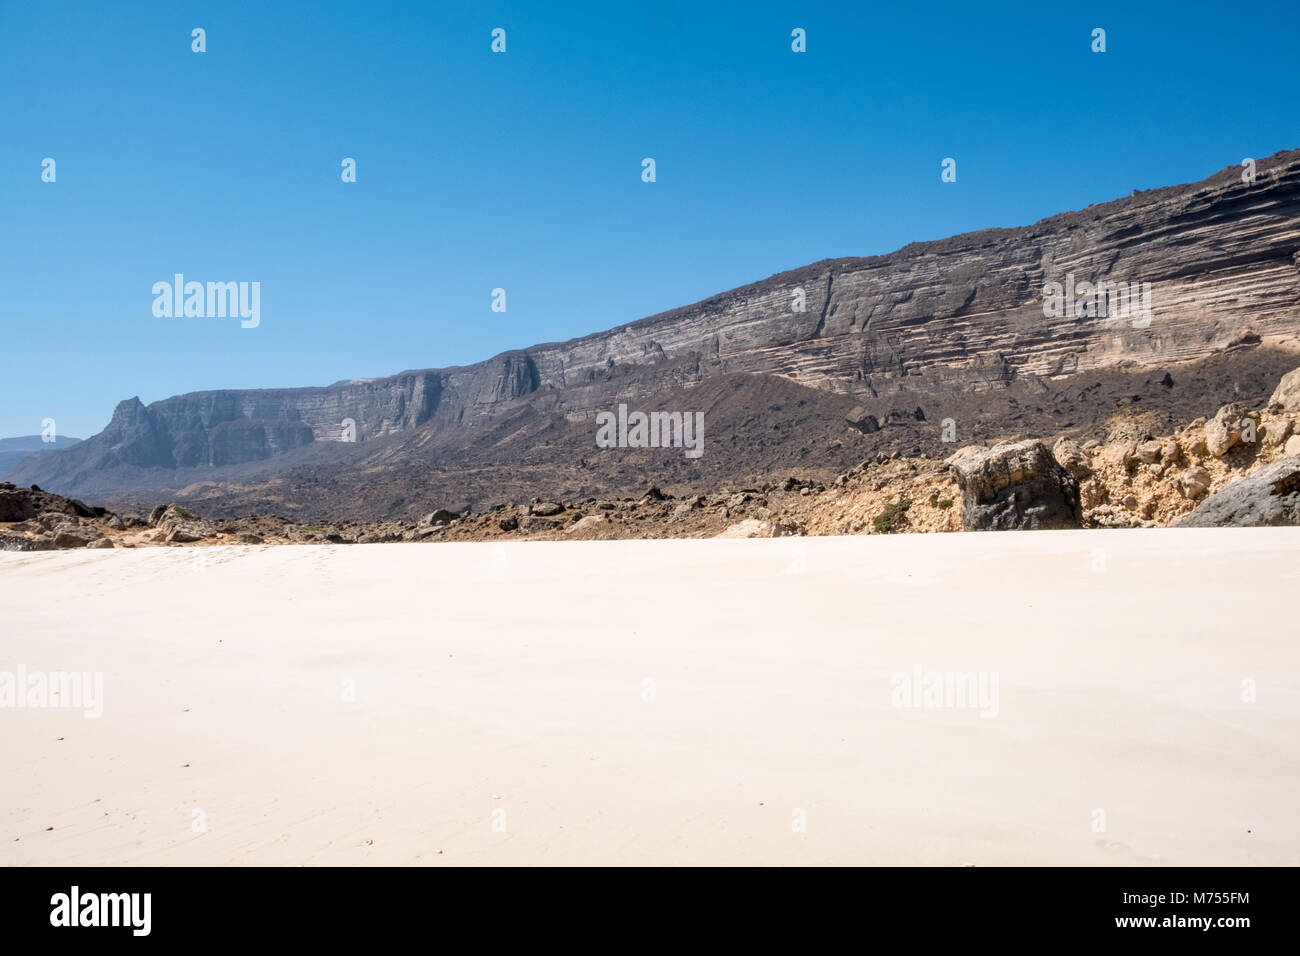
x: 15, y: 450
x: 798, y: 370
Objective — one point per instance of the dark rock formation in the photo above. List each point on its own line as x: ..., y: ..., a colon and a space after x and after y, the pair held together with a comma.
x: 441, y: 516
x: 862, y: 420
x: 20, y: 504
x: 1269, y: 496
x: 1016, y: 486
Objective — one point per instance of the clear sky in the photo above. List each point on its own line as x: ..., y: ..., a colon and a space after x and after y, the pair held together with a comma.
x: 522, y: 170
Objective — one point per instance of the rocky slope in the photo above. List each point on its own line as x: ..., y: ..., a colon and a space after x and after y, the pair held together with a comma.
x: 957, y: 323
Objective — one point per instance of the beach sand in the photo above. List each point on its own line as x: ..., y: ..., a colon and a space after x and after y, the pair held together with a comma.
x: 661, y: 702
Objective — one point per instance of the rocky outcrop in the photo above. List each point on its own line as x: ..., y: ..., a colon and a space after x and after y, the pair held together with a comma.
x: 39, y: 521
x: 1016, y: 486
x: 20, y: 504
x: 177, y: 524
x: 935, y: 319
x: 1269, y: 496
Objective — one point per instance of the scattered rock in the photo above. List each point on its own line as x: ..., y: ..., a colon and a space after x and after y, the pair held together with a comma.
x: 687, y: 505
x: 1194, y: 482
x: 1150, y: 452
x: 1123, y: 440
x: 531, y: 523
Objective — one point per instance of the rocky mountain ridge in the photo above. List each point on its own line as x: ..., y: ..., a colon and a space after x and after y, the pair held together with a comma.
x: 919, y: 327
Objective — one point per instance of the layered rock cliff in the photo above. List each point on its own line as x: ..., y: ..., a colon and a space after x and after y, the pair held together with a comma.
x: 960, y: 315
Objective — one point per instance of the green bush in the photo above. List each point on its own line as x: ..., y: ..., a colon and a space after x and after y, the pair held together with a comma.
x: 887, y: 519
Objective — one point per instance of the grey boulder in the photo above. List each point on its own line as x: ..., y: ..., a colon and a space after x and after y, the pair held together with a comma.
x: 1269, y: 496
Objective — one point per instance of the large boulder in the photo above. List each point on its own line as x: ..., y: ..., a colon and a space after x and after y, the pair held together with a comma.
x: 1286, y: 397
x: 862, y: 420
x: 1269, y: 496
x: 1225, y: 430
x: 176, y: 524
x: 1016, y: 486
x: 74, y: 536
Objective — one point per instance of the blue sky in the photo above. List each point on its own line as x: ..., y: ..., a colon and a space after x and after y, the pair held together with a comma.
x: 522, y: 170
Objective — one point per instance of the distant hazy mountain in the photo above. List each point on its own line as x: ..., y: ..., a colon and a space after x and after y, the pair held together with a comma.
x: 14, y: 450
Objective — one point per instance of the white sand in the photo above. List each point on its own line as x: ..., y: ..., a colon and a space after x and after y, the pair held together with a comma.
x: 510, y: 678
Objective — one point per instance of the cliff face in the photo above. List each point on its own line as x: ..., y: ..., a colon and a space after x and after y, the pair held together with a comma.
x: 938, y: 318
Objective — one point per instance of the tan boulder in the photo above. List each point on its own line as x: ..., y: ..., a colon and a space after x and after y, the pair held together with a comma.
x: 1150, y: 452
x: 1230, y: 426
x: 1286, y: 397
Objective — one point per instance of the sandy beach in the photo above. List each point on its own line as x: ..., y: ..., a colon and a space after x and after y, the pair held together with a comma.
x: 662, y: 702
